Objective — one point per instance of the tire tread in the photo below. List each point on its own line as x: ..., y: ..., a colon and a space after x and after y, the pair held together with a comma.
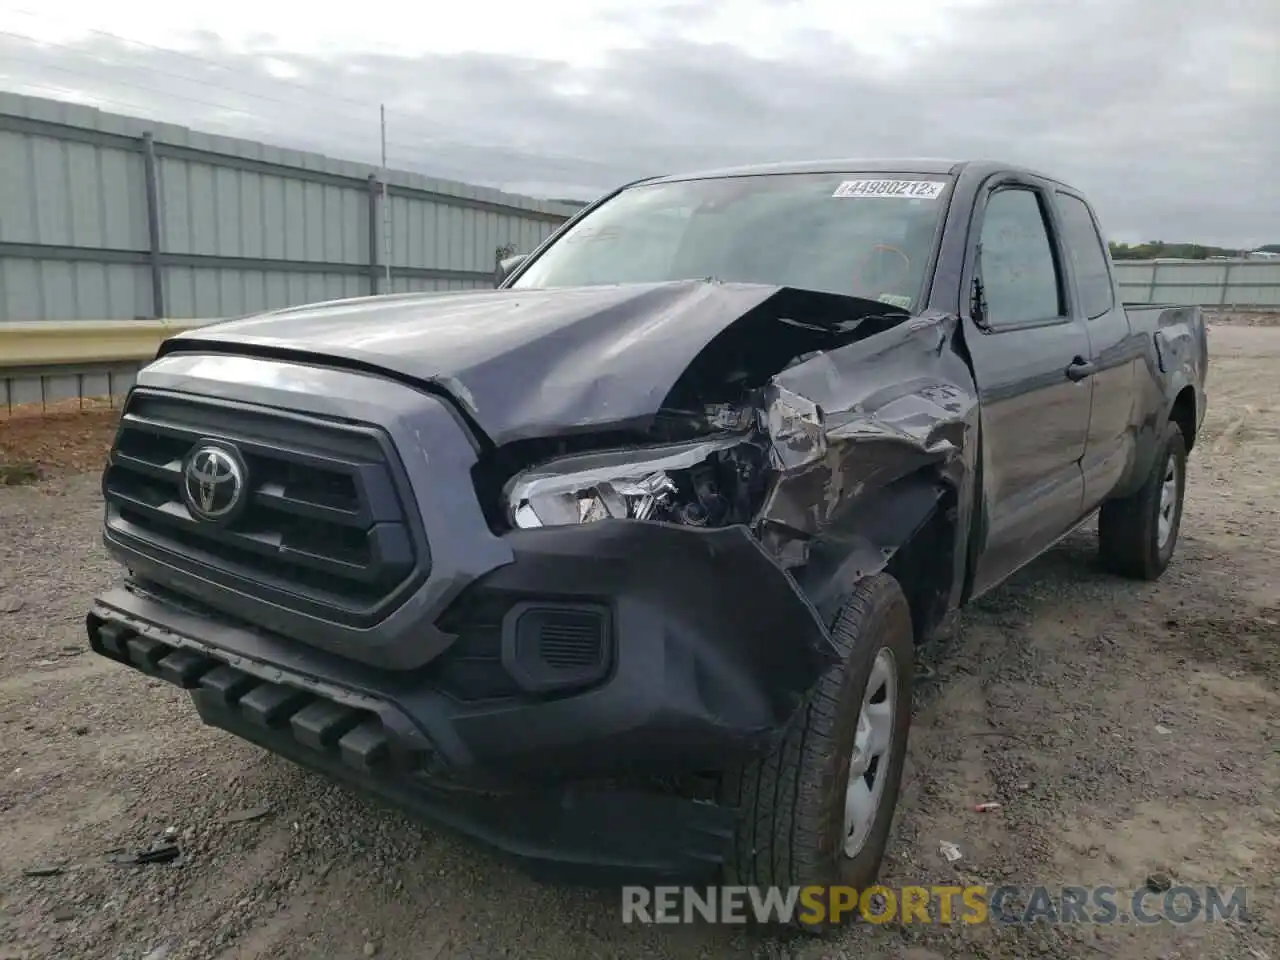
x: 1126, y: 527
x: 782, y: 793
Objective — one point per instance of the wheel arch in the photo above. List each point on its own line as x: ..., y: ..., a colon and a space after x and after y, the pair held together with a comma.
x: 1184, y: 414
x: 910, y: 530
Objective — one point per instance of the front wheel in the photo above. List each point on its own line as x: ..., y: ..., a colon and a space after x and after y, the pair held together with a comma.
x: 816, y: 810
x: 1137, y: 534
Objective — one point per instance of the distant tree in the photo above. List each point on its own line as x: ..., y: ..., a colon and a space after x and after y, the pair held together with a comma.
x: 1270, y: 248
x: 1152, y: 249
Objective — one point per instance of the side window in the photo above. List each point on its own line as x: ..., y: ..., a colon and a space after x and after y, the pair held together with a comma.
x: 1019, y: 270
x: 1088, y: 256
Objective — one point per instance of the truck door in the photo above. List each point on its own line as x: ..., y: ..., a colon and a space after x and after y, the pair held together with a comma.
x: 1114, y: 350
x: 1029, y: 354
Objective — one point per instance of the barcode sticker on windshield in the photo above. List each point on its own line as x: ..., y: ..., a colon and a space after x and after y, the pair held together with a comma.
x: 908, y: 189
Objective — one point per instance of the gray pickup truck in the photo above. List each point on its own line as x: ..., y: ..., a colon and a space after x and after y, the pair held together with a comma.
x: 620, y: 566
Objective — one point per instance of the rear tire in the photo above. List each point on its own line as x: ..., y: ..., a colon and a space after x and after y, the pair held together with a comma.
x: 1137, y: 535
x: 797, y: 825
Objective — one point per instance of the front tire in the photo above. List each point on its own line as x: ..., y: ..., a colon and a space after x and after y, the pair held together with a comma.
x: 816, y: 809
x: 1137, y: 535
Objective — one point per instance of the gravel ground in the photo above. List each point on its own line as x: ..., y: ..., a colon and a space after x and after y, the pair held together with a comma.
x: 1126, y: 728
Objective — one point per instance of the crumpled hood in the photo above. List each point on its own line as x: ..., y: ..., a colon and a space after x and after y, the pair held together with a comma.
x: 523, y: 363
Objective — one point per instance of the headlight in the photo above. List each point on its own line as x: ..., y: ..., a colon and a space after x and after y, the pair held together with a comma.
x: 628, y: 484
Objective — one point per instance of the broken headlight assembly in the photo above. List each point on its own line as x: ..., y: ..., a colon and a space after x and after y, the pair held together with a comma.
x: 627, y: 485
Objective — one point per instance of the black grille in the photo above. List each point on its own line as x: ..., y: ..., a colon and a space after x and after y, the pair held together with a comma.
x: 324, y: 529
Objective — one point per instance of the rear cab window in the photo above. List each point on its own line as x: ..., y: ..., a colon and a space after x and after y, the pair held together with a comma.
x: 1089, y: 258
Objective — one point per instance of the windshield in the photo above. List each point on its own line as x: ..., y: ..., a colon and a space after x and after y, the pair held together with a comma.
x: 867, y: 235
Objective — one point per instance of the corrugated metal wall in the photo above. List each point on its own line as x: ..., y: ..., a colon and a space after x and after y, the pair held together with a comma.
x: 1209, y: 283
x: 98, y: 210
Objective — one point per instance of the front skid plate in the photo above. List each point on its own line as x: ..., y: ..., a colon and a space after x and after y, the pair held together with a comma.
x: 581, y: 834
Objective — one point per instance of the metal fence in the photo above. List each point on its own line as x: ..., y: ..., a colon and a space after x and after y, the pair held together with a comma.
x: 1209, y: 283
x: 104, y: 217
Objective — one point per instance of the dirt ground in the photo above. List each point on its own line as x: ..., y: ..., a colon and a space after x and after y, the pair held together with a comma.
x: 1126, y: 729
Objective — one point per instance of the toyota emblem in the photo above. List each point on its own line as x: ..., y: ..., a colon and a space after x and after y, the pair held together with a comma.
x: 213, y: 483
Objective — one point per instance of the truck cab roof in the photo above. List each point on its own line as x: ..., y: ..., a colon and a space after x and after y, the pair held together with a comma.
x: 921, y: 165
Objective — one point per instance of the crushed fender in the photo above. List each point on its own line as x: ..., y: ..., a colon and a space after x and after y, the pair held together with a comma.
x: 860, y: 419
x: 831, y: 427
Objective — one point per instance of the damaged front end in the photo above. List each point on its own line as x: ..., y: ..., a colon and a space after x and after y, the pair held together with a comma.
x: 834, y: 429
x: 644, y: 594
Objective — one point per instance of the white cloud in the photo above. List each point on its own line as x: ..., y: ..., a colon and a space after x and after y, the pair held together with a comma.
x: 573, y: 31
x: 1166, y: 111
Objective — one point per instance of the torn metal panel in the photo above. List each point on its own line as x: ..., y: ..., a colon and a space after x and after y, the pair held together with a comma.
x: 799, y: 456
x: 795, y: 426
x: 877, y: 527
x: 853, y: 421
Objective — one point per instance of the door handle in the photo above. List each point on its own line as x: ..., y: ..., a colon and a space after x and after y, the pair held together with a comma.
x: 1080, y: 369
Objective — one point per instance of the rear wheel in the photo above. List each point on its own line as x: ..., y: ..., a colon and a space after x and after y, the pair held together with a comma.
x: 817, y: 809
x: 1138, y: 534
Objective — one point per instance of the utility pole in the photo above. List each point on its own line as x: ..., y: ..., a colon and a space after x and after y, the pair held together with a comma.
x: 386, y: 208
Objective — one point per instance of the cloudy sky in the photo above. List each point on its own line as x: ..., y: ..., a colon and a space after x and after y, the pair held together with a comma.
x: 1166, y: 111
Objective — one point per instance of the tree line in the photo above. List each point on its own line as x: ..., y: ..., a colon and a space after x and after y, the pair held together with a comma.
x: 1183, y: 251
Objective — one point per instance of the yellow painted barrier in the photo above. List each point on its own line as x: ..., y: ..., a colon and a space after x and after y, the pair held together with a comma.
x: 85, y: 342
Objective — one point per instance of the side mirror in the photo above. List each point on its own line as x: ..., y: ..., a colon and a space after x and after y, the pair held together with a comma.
x: 507, y: 266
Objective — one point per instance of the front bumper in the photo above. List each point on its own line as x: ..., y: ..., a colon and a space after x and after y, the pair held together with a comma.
x: 579, y: 833
x: 710, y: 649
